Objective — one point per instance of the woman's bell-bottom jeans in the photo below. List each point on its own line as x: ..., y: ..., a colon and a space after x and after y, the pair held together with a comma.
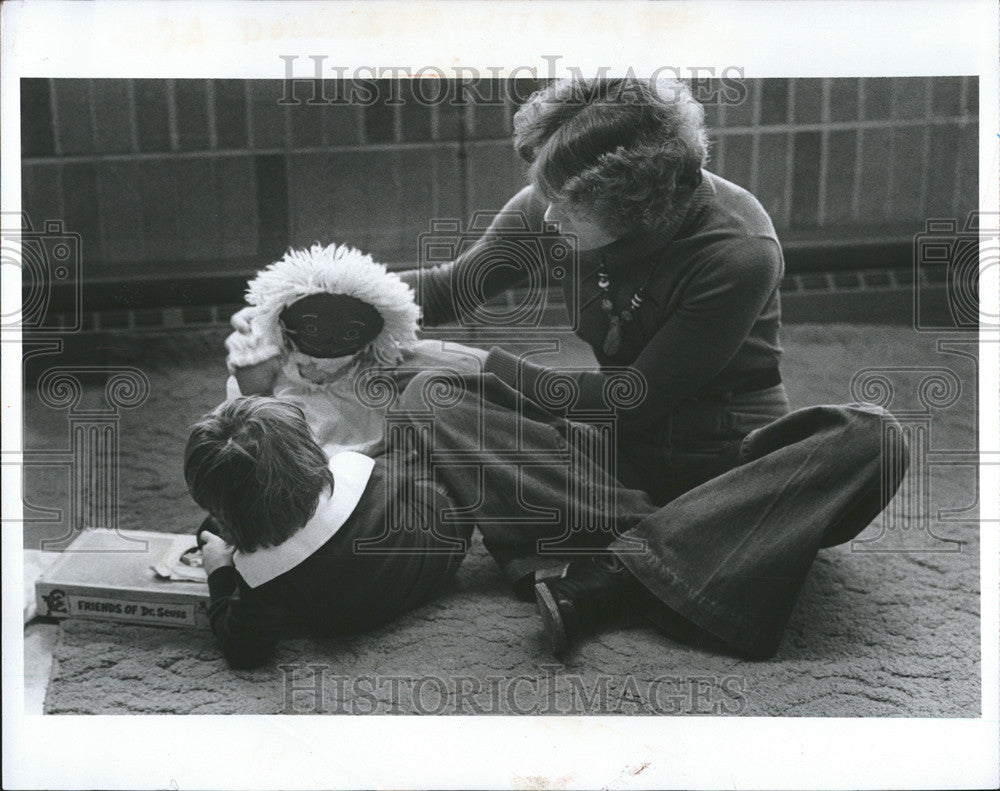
x: 731, y: 529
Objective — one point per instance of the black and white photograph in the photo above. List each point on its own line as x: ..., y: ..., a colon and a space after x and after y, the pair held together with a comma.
x: 585, y: 393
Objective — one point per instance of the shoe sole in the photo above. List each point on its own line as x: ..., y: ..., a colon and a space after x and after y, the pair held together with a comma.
x: 551, y: 619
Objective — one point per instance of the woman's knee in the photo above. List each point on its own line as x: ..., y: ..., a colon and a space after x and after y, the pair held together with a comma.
x: 813, y: 424
x: 877, y: 441
x: 862, y: 433
x: 870, y: 424
x: 416, y: 386
x: 431, y: 388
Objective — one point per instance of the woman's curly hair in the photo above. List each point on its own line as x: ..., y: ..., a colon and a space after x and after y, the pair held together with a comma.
x: 625, y: 152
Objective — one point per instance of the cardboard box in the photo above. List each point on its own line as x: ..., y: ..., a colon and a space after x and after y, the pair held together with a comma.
x: 109, y: 575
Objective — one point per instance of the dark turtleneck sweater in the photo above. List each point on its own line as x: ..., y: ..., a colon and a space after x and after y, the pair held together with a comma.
x: 709, y: 321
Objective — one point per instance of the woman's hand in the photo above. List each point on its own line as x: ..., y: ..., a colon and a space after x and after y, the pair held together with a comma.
x: 215, y: 553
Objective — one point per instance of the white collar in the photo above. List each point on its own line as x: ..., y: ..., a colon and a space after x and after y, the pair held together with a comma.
x: 351, y: 472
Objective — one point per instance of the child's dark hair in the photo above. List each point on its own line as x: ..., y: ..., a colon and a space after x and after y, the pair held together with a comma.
x: 253, y: 464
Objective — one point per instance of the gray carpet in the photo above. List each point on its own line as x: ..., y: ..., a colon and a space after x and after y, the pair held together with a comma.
x: 875, y: 633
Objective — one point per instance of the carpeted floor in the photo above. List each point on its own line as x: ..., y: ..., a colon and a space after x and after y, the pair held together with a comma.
x: 875, y: 633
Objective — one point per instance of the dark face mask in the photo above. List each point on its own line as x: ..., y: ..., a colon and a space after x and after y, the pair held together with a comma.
x: 330, y: 325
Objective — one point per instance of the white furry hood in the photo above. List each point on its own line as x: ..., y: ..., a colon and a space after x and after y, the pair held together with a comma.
x: 336, y: 269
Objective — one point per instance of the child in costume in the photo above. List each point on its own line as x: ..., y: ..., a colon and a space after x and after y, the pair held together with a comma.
x: 316, y: 322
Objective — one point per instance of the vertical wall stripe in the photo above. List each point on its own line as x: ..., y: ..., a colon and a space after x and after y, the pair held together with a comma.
x: 286, y: 113
x: 191, y: 114
x: 807, y: 148
x: 111, y: 118
x: 230, y: 114
x: 98, y: 233
x: 717, y: 154
x: 359, y: 112
x: 789, y: 197
x: 925, y: 147
x: 755, y: 91
x: 235, y: 198
x: 435, y: 114
x: 247, y: 113
x: 81, y: 209
x: 824, y: 154
x: 397, y: 123
x: 74, y: 130
x: 965, y: 197
x: 160, y: 211
x: 41, y: 197
x: 53, y: 117
x: 92, y: 116
x: 132, y: 115
x: 121, y: 210
x: 891, y: 178
x: 272, y: 204
x: 213, y: 133
x: 858, y: 153
x: 153, y: 115
x: 37, y: 124
x: 61, y: 187
x: 171, y: 97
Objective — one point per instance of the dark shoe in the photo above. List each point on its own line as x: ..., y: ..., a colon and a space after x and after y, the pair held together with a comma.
x: 582, y: 597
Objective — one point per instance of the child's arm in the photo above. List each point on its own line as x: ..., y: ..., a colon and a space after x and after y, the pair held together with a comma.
x: 252, y: 358
x: 247, y: 629
x: 258, y: 379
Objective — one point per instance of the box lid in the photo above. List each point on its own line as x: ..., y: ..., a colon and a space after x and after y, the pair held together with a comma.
x: 121, y: 560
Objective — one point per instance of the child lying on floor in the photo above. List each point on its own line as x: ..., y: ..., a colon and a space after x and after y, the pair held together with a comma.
x: 285, y: 560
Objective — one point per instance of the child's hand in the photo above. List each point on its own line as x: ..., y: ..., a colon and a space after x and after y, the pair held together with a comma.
x: 216, y: 553
x: 253, y: 354
x: 258, y: 379
x: 242, y: 320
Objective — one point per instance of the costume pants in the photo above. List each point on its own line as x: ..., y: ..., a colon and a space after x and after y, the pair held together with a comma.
x: 729, y: 555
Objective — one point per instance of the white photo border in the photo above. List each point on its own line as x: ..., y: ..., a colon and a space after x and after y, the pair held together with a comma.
x: 233, y: 39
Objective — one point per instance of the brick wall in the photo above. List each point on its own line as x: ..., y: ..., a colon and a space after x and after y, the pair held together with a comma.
x: 170, y: 178
x: 853, y: 159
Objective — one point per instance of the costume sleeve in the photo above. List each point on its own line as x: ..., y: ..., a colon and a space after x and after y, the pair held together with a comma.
x: 693, y: 345
x: 246, y: 627
x: 246, y: 345
x: 476, y: 267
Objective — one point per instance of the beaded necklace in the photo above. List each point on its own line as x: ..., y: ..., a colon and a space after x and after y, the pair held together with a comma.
x: 612, y: 341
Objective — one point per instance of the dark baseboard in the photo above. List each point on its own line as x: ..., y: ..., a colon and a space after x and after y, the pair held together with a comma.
x: 168, y: 284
